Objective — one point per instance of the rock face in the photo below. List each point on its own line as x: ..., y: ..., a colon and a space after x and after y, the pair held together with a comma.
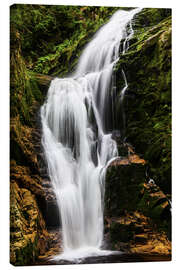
x: 29, y: 236
x: 135, y: 233
x: 137, y: 208
x: 137, y: 213
x: 33, y: 203
x: 147, y: 65
x: 29, y: 197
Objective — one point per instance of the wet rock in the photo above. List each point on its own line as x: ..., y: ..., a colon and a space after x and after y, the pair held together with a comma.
x: 123, y: 184
x: 134, y: 233
x: 29, y: 236
x: 22, y: 175
x: 141, y: 238
x: 135, y: 210
x: 154, y: 203
x: 33, y: 202
x: 147, y: 105
x: 116, y: 135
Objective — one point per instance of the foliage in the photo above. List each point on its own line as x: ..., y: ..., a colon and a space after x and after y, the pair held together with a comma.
x: 47, y: 40
x: 52, y: 37
x: 24, y: 90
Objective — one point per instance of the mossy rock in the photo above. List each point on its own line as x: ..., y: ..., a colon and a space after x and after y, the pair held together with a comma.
x: 26, y: 226
x: 147, y: 103
x: 154, y: 203
x: 120, y: 232
x: 123, y: 186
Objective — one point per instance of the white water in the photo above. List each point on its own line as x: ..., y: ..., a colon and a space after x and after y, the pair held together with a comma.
x: 75, y: 138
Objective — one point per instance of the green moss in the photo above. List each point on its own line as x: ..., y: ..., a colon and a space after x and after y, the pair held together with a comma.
x: 148, y: 101
x: 149, y: 17
x: 27, y: 254
x: 120, y: 232
x: 123, y: 187
x: 52, y: 37
x: 48, y: 40
x: 23, y: 86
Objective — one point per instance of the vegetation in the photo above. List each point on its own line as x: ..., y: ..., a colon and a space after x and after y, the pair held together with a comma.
x: 52, y: 37
x: 148, y: 100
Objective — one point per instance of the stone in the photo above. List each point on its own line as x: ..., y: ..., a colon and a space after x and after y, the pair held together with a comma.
x: 28, y: 231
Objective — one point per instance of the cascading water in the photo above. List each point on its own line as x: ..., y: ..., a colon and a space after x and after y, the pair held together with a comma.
x: 77, y: 140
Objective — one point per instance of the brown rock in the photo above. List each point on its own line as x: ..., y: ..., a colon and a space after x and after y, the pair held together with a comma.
x: 135, y: 233
x: 28, y: 231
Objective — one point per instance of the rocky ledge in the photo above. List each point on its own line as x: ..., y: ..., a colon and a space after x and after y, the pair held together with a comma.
x: 33, y: 207
x: 137, y: 212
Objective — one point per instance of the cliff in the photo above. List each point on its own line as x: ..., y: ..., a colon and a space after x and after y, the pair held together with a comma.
x: 147, y: 64
x: 138, y: 210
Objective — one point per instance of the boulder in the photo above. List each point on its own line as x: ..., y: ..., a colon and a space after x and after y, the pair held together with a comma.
x: 137, y: 212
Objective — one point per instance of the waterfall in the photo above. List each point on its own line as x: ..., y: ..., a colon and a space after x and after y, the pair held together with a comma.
x: 76, y: 121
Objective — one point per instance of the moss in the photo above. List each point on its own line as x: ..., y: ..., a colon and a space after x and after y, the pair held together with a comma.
x: 25, y: 232
x: 24, y: 89
x: 153, y: 203
x: 123, y: 187
x: 53, y: 36
x: 148, y: 100
x: 120, y: 232
x: 27, y: 254
x: 149, y: 17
